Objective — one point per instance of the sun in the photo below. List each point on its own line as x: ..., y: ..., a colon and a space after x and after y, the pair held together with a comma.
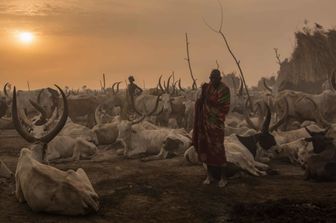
x: 26, y: 37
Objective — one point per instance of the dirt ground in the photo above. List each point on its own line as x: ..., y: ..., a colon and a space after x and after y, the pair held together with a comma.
x: 172, y: 191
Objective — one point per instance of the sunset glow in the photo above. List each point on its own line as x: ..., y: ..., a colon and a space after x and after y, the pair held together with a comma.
x: 25, y: 37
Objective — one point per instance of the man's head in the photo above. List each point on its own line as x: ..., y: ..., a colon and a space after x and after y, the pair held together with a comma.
x: 215, y: 77
x: 131, y: 79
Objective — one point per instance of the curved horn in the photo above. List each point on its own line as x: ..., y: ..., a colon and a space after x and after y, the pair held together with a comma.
x: 39, y: 109
x: 168, y: 84
x: 17, y: 123
x: 47, y: 138
x: 247, y: 118
x: 118, y: 86
x: 318, y: 114
x: 52, y: 118
x: 97, y: 117
x: 5, y: 89
x: 139, y: 120
x: 150, y: 113
x: 179, y: 85
x: 160, y: 85
x: 39, y: 96
x: 266, y: 86
x: 283, y: 118
x: 267, y: 121
x: 155, y: 107
x: 174, y: 87
x: 113, y: 85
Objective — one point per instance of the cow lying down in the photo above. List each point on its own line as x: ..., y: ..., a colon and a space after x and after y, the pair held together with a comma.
x: 138, y: 138
x: 235, y: 154
x: 47, y: 189
x: 67, y: 149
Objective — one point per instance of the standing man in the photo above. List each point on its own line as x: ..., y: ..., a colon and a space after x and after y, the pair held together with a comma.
x: 208, y: 135
x: 133, y: 89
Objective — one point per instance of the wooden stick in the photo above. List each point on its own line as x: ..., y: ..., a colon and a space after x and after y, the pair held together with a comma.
x: 194, y: 85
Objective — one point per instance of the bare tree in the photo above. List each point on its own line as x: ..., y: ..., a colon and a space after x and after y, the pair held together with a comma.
x: 220, y: 32
x: 277, y: 56
x: 194, y: 85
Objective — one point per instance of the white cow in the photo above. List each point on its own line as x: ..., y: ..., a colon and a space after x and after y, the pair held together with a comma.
x: 237, y: 154
x: 138, y: 139
x: 45, y: 188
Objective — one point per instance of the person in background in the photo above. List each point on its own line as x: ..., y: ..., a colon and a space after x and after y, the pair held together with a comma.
x: 133, y: 89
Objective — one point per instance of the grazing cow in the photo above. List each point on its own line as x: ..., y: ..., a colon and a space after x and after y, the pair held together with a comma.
x: 45, y: 188
x: 5, y: 171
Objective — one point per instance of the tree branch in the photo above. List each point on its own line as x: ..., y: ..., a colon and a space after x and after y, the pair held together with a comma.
x: 194, y: 85
x: 220, y: 32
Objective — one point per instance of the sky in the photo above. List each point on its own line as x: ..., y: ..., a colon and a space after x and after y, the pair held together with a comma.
x: 75, y: 41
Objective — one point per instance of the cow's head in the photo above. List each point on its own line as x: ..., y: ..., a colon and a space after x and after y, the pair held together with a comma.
x: 320, y: 142
x: 265, y: 138
x: 166, y: 102
x: 39, y: 144
x: 171, y: 145
x: 48, y: 100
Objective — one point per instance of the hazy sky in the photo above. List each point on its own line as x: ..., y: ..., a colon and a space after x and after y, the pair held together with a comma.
x: 78, y: 40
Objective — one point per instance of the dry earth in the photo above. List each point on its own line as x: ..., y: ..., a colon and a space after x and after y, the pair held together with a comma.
x: 172, y: 191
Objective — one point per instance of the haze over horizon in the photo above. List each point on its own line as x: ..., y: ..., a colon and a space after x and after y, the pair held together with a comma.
x: 75, y: 41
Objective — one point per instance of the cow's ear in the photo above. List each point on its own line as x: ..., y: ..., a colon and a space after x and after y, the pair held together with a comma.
x: 308, y: 139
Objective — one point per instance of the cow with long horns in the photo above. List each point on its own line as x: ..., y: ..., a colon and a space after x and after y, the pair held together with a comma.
x: 45, y: 188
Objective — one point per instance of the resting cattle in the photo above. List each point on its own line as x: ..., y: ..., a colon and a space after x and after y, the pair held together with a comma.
x: 245, y: 151
x: 47, y: 98
x: 45, y: 188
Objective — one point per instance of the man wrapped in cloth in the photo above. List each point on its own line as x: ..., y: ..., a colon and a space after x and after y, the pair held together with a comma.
x: 208, y: 135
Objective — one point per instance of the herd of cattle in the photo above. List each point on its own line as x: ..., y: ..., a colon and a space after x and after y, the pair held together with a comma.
x: 65, y: 125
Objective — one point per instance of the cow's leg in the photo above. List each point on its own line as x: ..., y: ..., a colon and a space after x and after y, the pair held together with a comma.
x: 18, y: 190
